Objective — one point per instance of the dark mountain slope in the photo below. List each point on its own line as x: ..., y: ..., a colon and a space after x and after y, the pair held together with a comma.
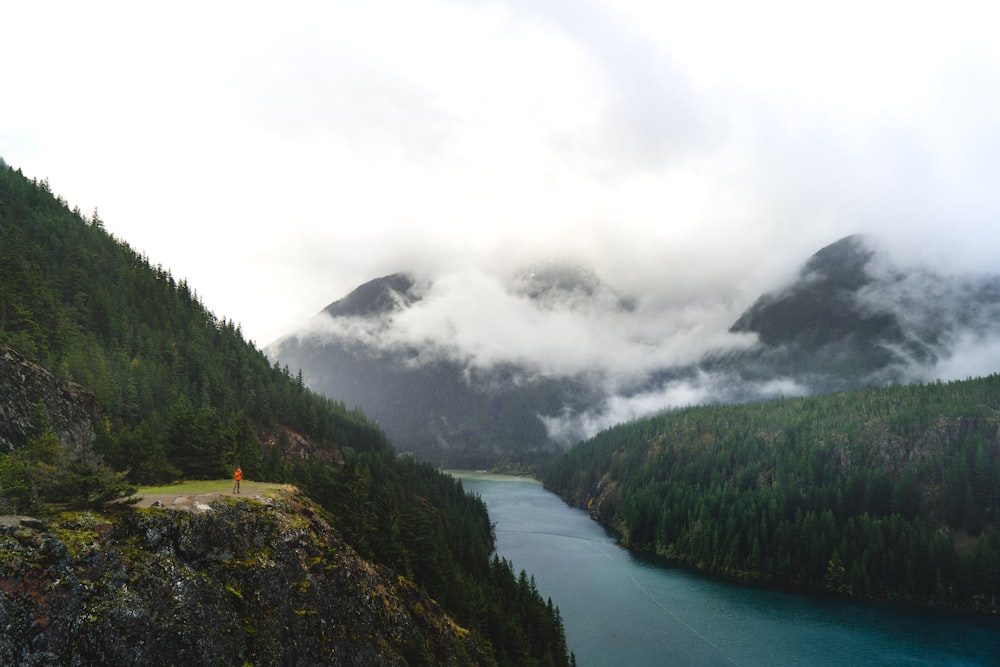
x: 852, y: 318
x: 167, y: 390
x: 432, y: 405
x: 821, y: 308
x: 381, y: 296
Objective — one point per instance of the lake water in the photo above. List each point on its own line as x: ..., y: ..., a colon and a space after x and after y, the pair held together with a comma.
x: 619, y: 609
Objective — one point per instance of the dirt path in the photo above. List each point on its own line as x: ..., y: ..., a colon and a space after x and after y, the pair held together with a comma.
x: 183, y: 498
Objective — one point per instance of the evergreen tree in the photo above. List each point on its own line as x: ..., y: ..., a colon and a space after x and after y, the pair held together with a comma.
x: 868, y: 493
x: 182, y: 394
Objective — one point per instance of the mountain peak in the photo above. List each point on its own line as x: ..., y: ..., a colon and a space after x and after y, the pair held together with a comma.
x: 554, y: 283
x: 844, y: 263
x: 380, y: 296
x: 555, y: 280
x: 821, y: 306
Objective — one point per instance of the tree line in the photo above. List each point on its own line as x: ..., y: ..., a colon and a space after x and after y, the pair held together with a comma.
x: 403, y: 513
x: 883, y: 493
x: 164, y: 368
x: 183, y: 395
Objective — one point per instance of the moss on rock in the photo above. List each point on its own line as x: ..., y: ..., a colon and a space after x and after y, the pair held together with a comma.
x: 261, y: 581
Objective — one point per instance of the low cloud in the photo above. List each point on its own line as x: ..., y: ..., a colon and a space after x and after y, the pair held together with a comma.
x: 642, y: 349
x: 484, y: 320
x: 692, y: 154
x: 972, y: 355
x: 948, y: 317
x: 705, y: 388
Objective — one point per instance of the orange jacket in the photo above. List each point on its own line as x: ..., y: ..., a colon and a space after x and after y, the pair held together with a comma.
x: 239, y: 475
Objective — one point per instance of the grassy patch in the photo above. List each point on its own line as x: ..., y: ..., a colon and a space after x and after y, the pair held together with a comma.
x: 200, y: 486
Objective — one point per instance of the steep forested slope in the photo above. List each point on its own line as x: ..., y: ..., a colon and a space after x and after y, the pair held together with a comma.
x: 183, y: 393
x: 884, y: 493
x: 179, y: 393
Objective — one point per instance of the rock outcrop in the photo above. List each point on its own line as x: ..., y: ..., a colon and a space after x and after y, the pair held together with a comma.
x: 258, y: 581
x: 72, y: 411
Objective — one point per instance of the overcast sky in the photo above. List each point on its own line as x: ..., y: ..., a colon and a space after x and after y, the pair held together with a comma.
x: 279, y: 154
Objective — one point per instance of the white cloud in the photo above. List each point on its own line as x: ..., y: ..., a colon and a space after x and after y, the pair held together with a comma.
x: 972, y: 356
x: 482, y: 320
x: 692, y: 153
x: 569, y: 428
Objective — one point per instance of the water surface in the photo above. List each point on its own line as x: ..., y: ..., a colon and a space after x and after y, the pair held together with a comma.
x: 619, y: 609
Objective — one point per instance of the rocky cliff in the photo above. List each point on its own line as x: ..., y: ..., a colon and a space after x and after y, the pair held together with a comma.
x: 263, y: 581
x: 72, y: 411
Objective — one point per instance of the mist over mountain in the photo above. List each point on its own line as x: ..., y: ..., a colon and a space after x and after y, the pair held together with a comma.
x: 571, y: 286
x: 853, y: 316
x: 377, y: 297
x: 472, y: 368
x: 434, y: 400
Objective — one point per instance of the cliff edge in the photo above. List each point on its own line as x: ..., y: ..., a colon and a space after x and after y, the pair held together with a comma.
x: 262, y: 581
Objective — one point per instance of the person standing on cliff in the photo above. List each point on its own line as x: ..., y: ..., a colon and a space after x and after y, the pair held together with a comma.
x: 237, y: 476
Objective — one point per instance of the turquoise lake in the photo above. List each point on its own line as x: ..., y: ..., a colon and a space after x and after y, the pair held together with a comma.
x: 619, y: 609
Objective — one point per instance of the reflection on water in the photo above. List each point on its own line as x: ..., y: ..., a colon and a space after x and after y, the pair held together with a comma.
x: 620, y: 609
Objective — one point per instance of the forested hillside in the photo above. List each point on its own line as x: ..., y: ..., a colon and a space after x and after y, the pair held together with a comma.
x: 883, y: 493
x: 181, y: 394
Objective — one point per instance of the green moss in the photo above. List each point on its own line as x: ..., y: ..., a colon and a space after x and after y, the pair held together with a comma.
x: 249, y: 627
x: 78, y: 531
x: 261, y: 558
x: 13, y: 558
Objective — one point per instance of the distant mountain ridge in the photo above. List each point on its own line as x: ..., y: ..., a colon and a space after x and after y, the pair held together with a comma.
x: 853, y: 318
x: 380, y: 296
x: 850, y: 318
x: 439, y: 408
x: 816, y: 329
x: 554, y: 283
x: 820, y: 308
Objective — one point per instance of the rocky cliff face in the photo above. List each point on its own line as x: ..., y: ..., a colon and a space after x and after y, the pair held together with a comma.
x: 264, y: 581
x: 23, y: 385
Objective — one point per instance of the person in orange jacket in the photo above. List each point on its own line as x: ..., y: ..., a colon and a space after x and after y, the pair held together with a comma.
x: 237, y: 476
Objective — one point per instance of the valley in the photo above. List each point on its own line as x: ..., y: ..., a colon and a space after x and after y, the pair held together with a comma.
x: 850, y: 319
